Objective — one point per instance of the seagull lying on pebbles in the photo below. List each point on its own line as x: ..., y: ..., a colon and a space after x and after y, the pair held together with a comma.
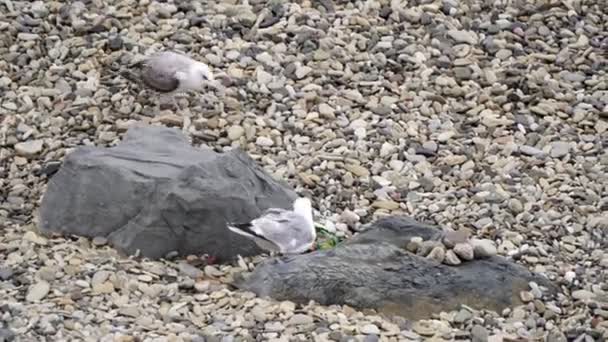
x: 170, y: 73
x: 280, y: 230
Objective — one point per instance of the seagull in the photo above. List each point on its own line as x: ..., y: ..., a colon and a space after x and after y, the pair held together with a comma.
x: 170, y: 73
x: 280, y: 230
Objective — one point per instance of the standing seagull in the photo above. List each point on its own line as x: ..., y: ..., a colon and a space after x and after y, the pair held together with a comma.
x: 280, y: 230
x: 170, y: 73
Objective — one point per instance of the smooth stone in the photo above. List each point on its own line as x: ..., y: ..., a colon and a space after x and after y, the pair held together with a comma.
x: 264, y: 141
x: 479, y: 334
x: 235, y: 132
x: 464, y: 251
x: 483, y: 248
x: 451, y: 258
x: 299, y: 319
x: 583, y: 295
x: 453, y: 237
x: 559, y: 149
x: 29, y: 148
x: 370, y: 329
x: 531, y: 151
x: 463, y: 315
x: 99, y: 241
x: 467, y: 37
x: 38, y: 291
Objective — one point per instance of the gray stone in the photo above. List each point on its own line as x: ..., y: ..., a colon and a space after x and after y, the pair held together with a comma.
x: 559, y: 149
x: 463, y: 315
x: 437, y: 254
x: 451, y: 258
x: 369, y: 329
x: 6, y: 272
x: 299, y: 319
x: 479, y: 334
x: 483, y: 248
x: 155, y: 193
x: 467, y: 37
x: 531, y: 151
x: 235, y: 132
x: 371, y: 270
x: 38, y: 291
x: 29, y: 148
x: 556, y: 336
x: 583, y: 295
x: 6, y: 335
x: 464, y: 251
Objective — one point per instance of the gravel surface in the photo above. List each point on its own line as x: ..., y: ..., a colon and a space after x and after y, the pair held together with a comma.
x: 484, y: 115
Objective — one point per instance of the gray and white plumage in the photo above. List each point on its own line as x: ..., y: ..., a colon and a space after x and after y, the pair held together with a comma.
x: 280, y: 230
x: 169, y: 72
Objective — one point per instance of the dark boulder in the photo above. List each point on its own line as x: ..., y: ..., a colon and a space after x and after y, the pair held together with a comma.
x: 156, y: 193
x: 373, y: 270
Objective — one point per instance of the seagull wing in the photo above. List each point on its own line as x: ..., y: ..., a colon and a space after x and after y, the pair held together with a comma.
x: 287, y: 229
x: 163, y: 80
x: 245, y: 230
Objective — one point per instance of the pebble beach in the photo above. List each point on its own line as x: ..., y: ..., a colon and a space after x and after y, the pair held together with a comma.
x: 485, y: 116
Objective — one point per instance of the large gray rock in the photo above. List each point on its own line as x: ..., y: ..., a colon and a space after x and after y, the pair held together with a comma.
x: 373, y: 270
x: 155, y: 193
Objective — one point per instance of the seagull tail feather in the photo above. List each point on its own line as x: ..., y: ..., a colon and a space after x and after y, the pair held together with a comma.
x: 243, y: 229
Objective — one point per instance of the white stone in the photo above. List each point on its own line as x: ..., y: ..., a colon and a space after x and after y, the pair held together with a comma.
x: 38, y: 291
x: 483, y: 248
x: 369, y: 329
x: 264, y: 142
x: 29, y: 148
x: 235, y: 132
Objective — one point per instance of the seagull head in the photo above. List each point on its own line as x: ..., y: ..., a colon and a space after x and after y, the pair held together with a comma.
x: 303, y: 206
x: 203, y: 73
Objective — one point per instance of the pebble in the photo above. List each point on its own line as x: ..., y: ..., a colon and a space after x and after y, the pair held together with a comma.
x: 464, y: 251
x: 437, y: 254
x: 99, y: 241
x: 559, y: 149
x: 5, y: 272
x: 29, y: 149
x: 35, y: 238
x: 531, y: 151
x: 264, y: 142
x: 451, y: 258
x: 236, y: 132
x: 302, y: 71
x: 463, y: 316
x: 483, y: 248
x: 583, y: 295
x: 454, y: 237
x: 526, y: 296
x: 6, y: 335
x: 38, y: 291
x: 190, y: 271
x: 370, y: 329
x: 467, y: 37
x: 300, y: 319
x: 479, y: 334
